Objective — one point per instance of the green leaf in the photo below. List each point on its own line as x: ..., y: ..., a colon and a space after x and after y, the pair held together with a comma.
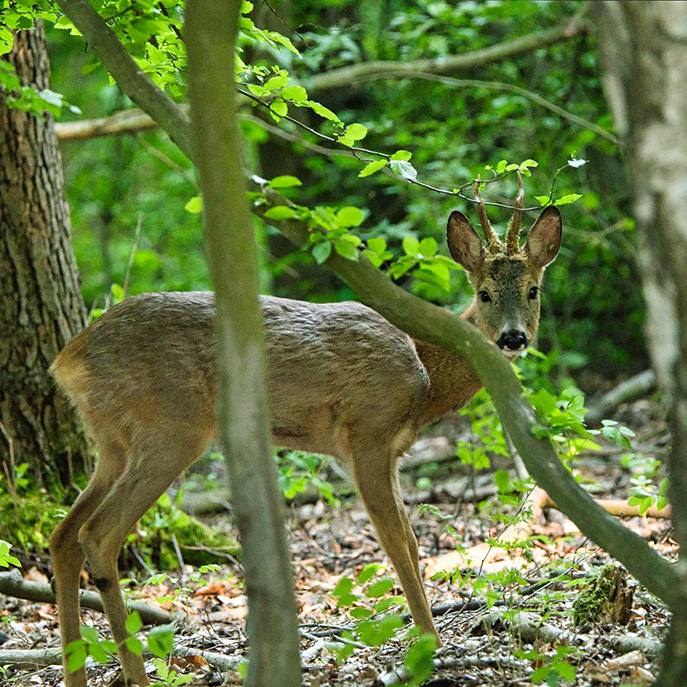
x: 355, y: 132
x: 284, y: 181
x: 361, y: 613
x: 528, y: 163
x: 502, y: 481
x: 135, y: 645
x: 343, y: 592
x: 380, y: 587
x: 378, y: 246
x: 402, y: 155
x: 544, y: 200
x: 570, y: 198
x: 373, y: 167
x: 90, y: 634
x: 133, y: 623
x: 404, y: 169
x: 296, y: 94
x: 161, y: 640
x: 419, y: 659
x: 501, y: 166
x: 346, y: 249
x: 277, y: 82
x: 195, y: 205
x: 280, y: 212
x: 322, y: 111
x: 321, y: 251
x: 349, y: 216
x: 98, y: 653
x: 411, y: 246
x: 279, y: 108
x: 371, y: 569
x: 385, y: 604
x: 428, y: 247
x: 77, y: 659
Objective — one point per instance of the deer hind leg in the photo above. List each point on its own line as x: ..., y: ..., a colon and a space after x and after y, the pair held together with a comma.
x: 375, y: 477
x: 66, y: 552
x: 153, y: 466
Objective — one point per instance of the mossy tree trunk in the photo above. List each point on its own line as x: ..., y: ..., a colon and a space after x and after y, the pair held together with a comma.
x: 40, y: 303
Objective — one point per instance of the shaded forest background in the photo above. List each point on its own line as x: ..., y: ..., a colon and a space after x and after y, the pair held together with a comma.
x: 131, y: 190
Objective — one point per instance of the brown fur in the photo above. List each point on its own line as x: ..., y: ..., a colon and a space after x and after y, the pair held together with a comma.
x: 341, y: 380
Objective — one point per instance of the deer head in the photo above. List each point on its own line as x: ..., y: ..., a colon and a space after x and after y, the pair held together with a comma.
x: 506, y: 277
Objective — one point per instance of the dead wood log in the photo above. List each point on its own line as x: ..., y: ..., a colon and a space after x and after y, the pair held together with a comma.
x: 13, y: 584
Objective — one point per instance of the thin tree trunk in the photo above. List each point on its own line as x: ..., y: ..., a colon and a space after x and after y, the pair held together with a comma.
x: 40, y: 303
x: 210, y: 32
x: 644, y: 48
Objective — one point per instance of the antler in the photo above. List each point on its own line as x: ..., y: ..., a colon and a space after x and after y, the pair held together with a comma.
x: 493, y: 243
x: 513, y: 235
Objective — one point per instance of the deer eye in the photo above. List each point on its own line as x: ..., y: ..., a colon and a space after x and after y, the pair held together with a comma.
x: 484, y: 297
x: 533, y: 293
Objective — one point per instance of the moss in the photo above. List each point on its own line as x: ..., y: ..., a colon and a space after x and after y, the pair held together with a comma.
x: 605, y: 600
x: 199, y: 544
x: 28, y: 523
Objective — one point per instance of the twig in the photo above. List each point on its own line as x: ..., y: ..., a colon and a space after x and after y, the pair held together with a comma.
x: 134, y: 247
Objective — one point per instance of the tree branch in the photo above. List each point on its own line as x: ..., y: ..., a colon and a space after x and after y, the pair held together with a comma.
x: 117, y: 60
x: 124, y: 122
x: 353, y: 76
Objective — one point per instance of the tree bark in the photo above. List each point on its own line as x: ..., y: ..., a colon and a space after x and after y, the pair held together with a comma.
x: 272, y: 625
x: 644, y: 50
x: 40, y: 302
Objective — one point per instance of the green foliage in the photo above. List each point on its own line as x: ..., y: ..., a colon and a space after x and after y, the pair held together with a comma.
x: 200, y: 544
x: 553, y: 671
x: 367, y: 599
x: 298, y: 469
x: 6, y: 559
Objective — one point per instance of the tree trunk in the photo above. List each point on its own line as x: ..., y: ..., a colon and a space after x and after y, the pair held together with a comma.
x: 644, y: 48
x: 40, y: 303
x: 272, y: 626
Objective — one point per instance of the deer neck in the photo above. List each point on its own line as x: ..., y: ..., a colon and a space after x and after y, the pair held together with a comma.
x: 452, y: 381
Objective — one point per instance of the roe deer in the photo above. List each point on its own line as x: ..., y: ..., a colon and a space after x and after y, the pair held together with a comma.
x: 341, y: 381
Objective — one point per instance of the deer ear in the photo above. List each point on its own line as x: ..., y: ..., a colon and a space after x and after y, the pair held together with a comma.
x: 544, y: 239
x: 464, y: 243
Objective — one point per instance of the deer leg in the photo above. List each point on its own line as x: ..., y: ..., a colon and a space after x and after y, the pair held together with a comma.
x: 68, y: 556
x: 378, y: 486
x: 151, y: 470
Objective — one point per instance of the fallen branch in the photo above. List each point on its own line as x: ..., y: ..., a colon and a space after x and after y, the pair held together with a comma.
x: 13, y: 584
x: 53, y: 657
x: 621, y: 509
x: 629, y: 390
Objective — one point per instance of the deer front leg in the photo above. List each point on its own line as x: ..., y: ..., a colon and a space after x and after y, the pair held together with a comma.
x: 376, y: 480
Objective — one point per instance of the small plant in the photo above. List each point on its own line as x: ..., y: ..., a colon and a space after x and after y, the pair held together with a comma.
x: 159, y: 640
x: 365, y: 598
x: 297, y: 469
x: 552, y: 670
x: 6, y: 559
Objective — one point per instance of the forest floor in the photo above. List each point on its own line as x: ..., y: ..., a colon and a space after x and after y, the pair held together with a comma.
x: 508, y: 613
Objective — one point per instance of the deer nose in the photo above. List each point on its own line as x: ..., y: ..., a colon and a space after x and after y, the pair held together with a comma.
x: 514, y: 340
